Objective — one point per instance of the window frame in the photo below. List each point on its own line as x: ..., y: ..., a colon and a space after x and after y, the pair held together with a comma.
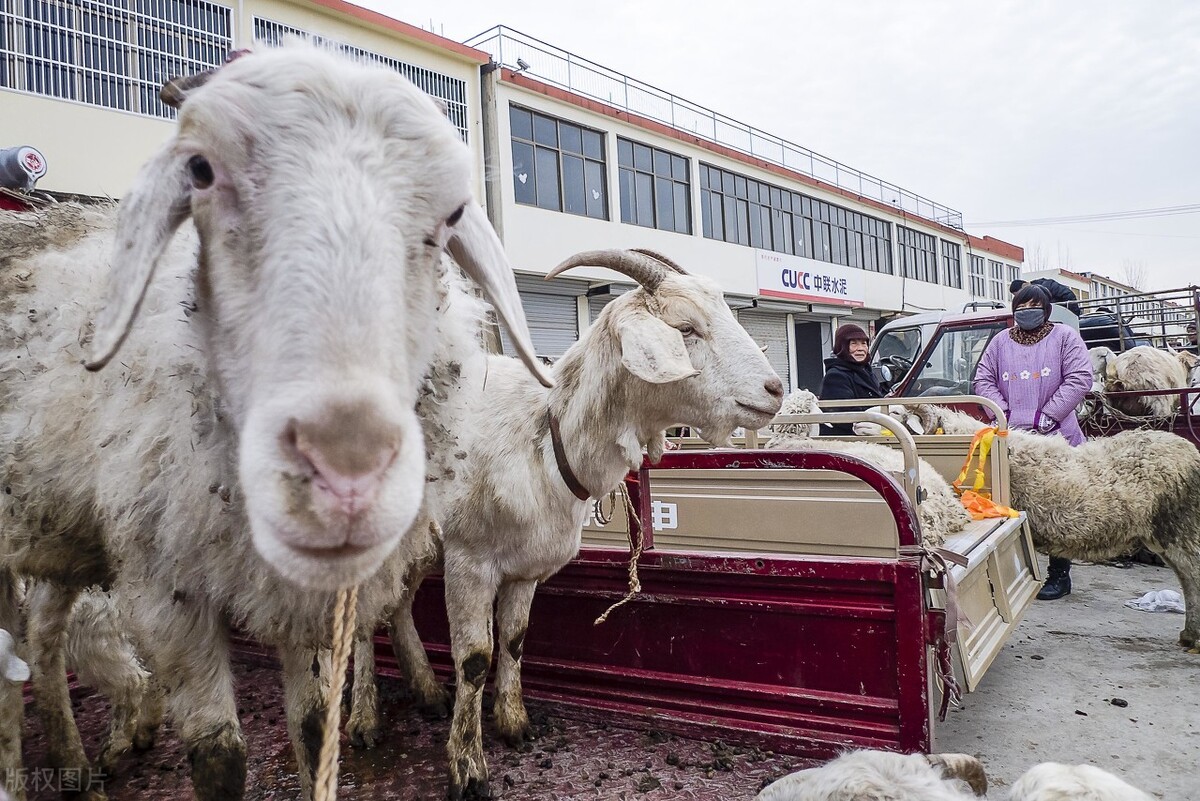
x: 593, y: 170
x: 630, y: 173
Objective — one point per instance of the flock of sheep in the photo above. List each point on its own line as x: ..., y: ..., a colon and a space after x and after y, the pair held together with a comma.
x: 287, y: 394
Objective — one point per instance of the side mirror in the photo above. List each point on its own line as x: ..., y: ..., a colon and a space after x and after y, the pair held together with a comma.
x: 883, y: 373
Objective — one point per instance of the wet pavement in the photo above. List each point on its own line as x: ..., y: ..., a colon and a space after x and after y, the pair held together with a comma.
x: 569, y: 760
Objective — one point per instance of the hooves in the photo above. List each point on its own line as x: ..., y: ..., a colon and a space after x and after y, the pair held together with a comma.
x: 1189, y: 640
x: 364, y: 734
x: 468, y: 789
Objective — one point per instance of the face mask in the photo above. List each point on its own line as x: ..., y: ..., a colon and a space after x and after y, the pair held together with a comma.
x: 1029, y: 319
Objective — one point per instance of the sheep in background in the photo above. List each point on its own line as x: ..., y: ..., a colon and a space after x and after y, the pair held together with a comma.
x: 1101, y: 359
x: 884, y: 776
x: 260, y: 431
x: 1052, y: 781
x: 669, y: 352
x: 941, y: 512
x: 1105, y: 497
x: 1144, y: 368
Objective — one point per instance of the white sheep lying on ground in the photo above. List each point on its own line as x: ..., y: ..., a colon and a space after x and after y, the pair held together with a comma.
x: 1144, y: 368
x: 258, y: 431
x: 1105, y: 497
x: 941, y: 512
x: 885, y: 776
x: 669, y: 352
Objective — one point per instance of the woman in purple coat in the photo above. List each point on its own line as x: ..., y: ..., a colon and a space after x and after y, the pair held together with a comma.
x: 1038, y: 372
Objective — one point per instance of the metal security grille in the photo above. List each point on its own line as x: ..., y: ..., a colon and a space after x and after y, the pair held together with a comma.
x: 109, y: 53
x: 453, y: 91
x: 770, y: 329
x: 551, y: 312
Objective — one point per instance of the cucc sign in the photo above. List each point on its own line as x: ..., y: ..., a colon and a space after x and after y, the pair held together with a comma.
x: 797, y: 278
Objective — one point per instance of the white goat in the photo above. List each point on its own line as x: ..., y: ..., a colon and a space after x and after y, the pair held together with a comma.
x: 885, y: 776
x: 667, y: 353
x: 941, y: 512
x: 1105, y: 497
x: 1144, y: 368
x: 261, y: 430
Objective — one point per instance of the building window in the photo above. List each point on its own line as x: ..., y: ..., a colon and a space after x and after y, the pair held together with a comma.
x: 558, y: 165
x: 451, y: 91
x: 655, y: 189
x: 978, y: 277
x: 109, y: 53
x: 996, y: 280
x: 952, y: 264
x: 734, y: 208
x: 918, y: 254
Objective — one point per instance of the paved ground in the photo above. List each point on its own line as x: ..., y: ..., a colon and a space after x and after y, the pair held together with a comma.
x: 1048, y: 696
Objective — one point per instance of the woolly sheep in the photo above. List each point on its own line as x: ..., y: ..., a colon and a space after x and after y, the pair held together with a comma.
x: 1105, y: 497
x: 885, y: 776
x: 1144, y: 368
x: 669, y: 352
x: 1053, y: 781
x: 261, y: 427
x: 941, y: 512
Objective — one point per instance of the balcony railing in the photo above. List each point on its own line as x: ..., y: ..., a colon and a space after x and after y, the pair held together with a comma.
x: 580, y: 76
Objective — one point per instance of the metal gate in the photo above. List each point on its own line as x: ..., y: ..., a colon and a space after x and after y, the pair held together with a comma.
x: 770, y: 329
x: 551, y: 313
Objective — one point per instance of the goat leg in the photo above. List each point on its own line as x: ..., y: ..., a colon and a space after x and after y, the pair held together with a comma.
x: 49, y: 617
x: 12, y: 703
x: 469, y: 599
x: 512, y: 619
x: 428, y: 695
x: 363, y: 725
x: 306, y: 677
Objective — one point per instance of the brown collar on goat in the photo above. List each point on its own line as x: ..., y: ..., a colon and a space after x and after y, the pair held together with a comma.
x: 560, y: 457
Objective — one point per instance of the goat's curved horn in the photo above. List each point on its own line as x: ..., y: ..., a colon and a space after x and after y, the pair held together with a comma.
x: 961, y: 766
x: 176, y: 90
x: 660, y: 257
x: 647, y: 271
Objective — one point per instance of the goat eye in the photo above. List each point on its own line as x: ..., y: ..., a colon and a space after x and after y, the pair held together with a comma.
x: 201, y: 171
x: 456, y: 216
x: 686, y: 329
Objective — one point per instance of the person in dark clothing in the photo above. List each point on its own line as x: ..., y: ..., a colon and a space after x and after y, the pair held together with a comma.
x: 848, y: 373
x: 1191, y: 345
x: 1060, y: 294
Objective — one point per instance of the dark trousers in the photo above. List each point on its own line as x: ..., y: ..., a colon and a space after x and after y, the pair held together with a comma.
x: 1059, y: 566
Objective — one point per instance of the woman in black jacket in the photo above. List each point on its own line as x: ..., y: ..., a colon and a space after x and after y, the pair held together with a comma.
x: 848, y: 374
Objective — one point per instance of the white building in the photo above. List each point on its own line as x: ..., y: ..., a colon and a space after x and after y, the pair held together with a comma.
x: 580, y: 158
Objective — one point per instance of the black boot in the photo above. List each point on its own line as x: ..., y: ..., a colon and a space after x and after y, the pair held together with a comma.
x: 1058, y: 580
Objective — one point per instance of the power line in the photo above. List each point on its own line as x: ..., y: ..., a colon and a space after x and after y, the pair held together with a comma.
x: 1112, y: 216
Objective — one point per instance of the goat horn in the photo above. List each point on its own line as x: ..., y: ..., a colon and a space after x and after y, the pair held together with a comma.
x: 660, y: 257
x: 645, y: 270
x: 176, y: 90
x: 961, y: 766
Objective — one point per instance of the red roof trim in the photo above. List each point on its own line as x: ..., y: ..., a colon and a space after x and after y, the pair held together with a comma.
x: 988, y: 244
x: 403, y: 28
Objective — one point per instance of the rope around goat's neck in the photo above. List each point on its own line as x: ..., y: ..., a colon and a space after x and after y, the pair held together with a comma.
x: 635, y: 584
x: 343, y: 634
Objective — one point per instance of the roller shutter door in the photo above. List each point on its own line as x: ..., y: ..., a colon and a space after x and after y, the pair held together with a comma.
x: 770, y: 329
x: 551, y: 313
x: 596, y: 303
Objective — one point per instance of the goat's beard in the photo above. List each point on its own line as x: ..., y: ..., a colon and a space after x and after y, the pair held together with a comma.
x: 717, y: 437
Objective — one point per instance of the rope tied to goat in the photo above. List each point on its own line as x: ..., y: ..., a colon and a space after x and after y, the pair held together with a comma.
x: 636, y: 543
x: 344, y: 610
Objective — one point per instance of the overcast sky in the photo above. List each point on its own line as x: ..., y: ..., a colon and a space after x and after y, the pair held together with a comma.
x: 1003, y: 110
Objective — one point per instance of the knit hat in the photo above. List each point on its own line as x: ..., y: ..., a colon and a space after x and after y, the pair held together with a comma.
x: 841, y: 340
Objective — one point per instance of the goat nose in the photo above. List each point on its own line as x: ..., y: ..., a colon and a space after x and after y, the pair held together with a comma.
x: 774, y: 387
x: 349, y: 454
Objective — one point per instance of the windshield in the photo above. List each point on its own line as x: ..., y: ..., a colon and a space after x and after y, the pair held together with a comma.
x: 902, y: 342
x: 950, y: 368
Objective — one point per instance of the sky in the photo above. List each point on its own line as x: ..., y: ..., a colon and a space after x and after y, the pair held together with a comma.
x: 1006, y: 111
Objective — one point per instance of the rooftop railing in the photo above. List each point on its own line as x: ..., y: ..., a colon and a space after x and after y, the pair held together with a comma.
x: 557, y: 67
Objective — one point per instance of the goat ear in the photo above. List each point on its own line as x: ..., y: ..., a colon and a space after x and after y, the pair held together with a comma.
x: 474, y: 245
x: 654, y: 351
x: 156, y: 205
